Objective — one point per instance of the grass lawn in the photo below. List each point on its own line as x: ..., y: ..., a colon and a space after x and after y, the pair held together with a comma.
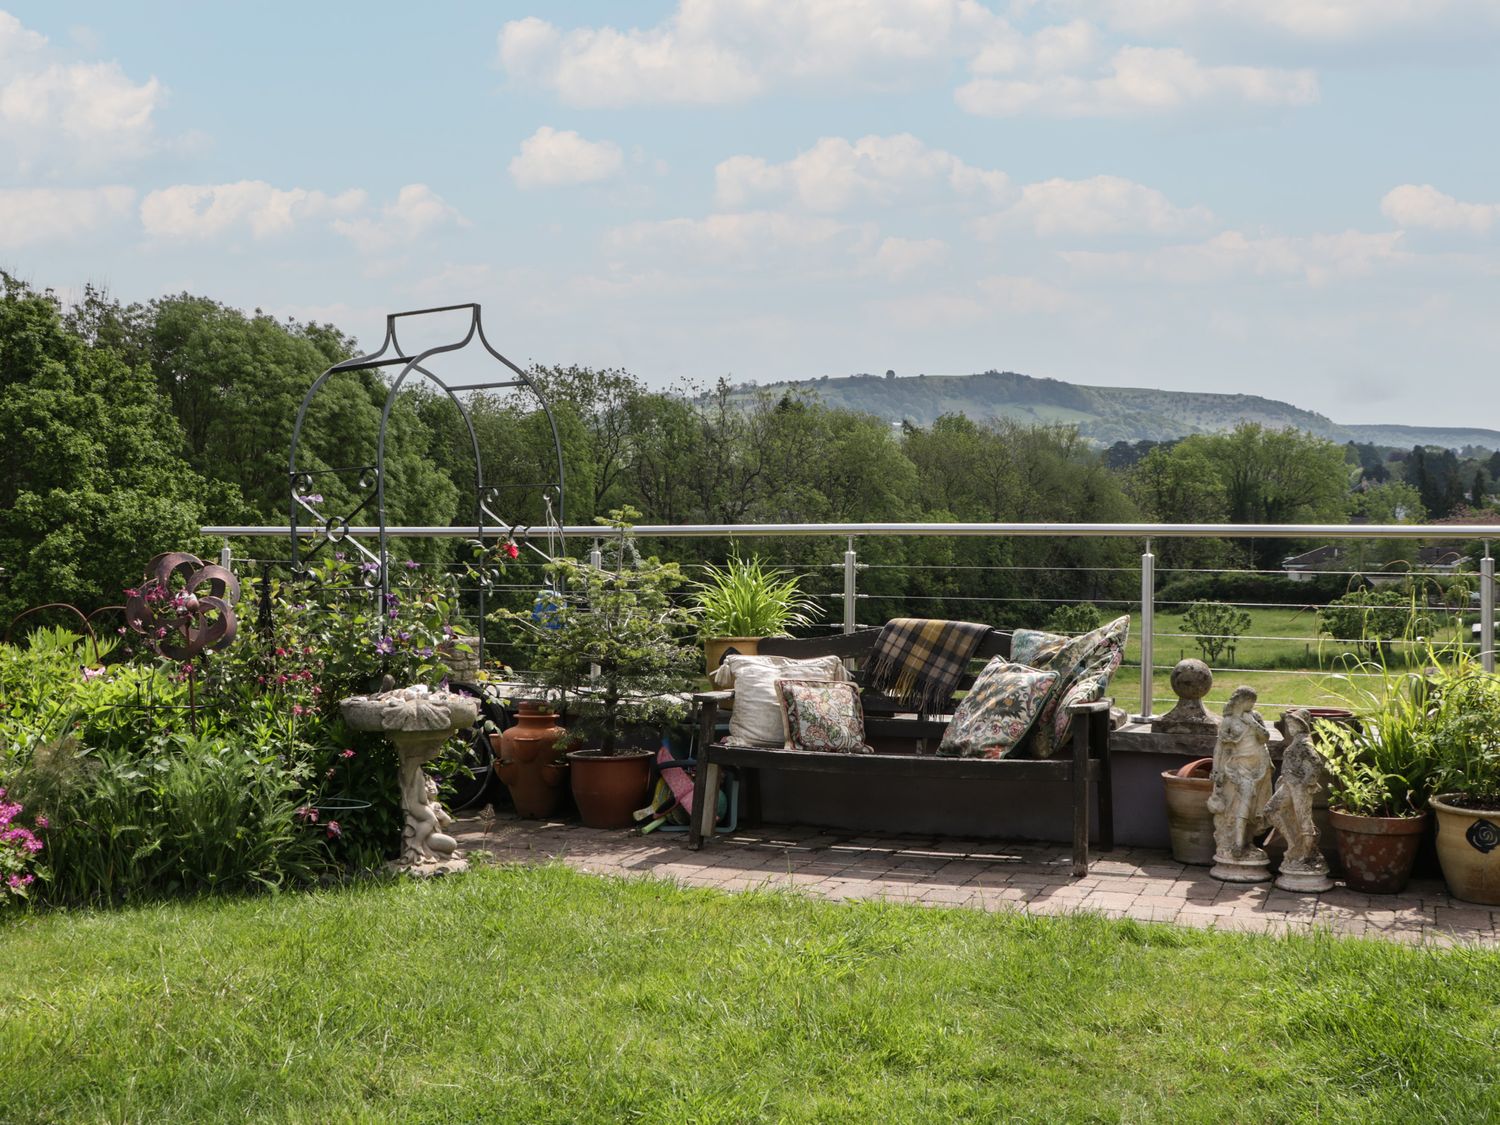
x: 542, y: 995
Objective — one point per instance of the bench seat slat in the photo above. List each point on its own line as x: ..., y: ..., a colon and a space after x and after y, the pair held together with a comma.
x: 899, y: 765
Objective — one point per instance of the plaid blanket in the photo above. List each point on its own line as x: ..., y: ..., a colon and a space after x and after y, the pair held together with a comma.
x: 919, y: 661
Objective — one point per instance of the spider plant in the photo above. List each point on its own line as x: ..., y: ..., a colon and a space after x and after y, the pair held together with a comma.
x: 746, y: 598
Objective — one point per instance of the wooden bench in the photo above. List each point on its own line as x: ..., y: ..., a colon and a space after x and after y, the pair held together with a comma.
x: 905, y: 746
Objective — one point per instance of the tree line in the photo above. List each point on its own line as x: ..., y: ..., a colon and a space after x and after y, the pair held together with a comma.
x: 123, y: 428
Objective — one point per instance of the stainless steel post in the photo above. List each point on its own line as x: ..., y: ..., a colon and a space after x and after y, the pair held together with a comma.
x: 851, y: 566
x: 1148, y: 626
x: 596, y: 560
x: 1487, y: 610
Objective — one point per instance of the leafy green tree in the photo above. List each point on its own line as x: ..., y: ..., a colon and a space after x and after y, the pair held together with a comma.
x: 91, y: 480
x: 1215, y: 626
x: 1373, y: 618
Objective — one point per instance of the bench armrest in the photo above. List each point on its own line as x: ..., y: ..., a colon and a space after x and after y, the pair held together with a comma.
x: 1091, y: 707
x: 714, y: 697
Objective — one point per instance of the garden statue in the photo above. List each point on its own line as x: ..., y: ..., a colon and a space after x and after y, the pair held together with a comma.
x: 1290, y: 810
x: 1242, y: 788
x: 418, y: 722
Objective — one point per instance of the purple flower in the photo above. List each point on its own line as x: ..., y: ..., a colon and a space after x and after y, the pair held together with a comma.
x: 412, y: 564
x: 369, y: 568
x: 385, y: 646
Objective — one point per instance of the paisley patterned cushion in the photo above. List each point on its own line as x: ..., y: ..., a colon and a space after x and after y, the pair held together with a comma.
x: 998, y: 711
x: 822, y: 715
x: 1084, y: 665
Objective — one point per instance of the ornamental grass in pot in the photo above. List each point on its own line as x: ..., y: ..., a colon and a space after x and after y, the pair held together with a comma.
x: 1465, y: 733
x: 744, y: 601
x: 1379, y: 777
x: 612, y: 652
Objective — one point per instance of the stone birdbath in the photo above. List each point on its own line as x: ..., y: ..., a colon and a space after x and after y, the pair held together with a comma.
x: 418, y: 722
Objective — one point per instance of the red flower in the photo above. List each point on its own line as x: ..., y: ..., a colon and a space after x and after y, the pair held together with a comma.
x: 512, y: 550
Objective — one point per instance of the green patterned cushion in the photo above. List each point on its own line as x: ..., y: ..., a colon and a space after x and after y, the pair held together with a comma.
x: 1085, y: 665
x: 822, y: 715
x: 1001, y: 707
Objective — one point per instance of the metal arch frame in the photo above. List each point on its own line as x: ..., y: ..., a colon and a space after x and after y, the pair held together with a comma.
x: 482, y: 494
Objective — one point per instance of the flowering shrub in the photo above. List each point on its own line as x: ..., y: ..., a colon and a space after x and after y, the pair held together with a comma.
x: 19, y: 847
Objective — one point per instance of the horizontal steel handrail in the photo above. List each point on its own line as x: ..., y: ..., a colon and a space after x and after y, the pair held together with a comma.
x: 1084, y: 530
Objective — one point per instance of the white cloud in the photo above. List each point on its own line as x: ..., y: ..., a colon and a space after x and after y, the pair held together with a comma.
x: 1411, y: 205
x: 416, y: 211
x: 1137, y: 80
x: 1097, y: 206
x: 58, y: 114
x: 836, y: 174
x: 711, y: 52
x: 29, y: 215
x: 552, y: 158
x: 1315, y: 21
x: 1315, y: 259
x: 202, y: 211
x: 898, y: 258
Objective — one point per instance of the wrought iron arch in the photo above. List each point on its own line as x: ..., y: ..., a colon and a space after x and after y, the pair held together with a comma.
x: 369, y: 480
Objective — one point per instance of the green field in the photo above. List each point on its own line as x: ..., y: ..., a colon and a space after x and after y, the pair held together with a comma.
x: 542, y: 995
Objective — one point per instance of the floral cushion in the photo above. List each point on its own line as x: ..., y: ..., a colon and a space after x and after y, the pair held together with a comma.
x: 822, y: 715
x: 1001, y: 707
x: 1085, y: 665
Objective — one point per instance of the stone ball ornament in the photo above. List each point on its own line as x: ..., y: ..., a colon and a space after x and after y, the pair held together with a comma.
x: 184, y: 606
x: 1191, y: 679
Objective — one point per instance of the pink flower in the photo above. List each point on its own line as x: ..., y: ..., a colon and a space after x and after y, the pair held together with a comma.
x: 297, y: 708
x: 346, y: 754
x: 43, y: 822
x: 334, y: 831
x: 512, y: 550
x: 307, y: 814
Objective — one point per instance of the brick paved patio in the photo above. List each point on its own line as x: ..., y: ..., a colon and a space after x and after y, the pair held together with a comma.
x: 985, y: 875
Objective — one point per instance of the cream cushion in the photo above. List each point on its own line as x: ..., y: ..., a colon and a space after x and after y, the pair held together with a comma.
x: 756, y: 717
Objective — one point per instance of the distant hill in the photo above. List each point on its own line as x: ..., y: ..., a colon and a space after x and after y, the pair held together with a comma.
x: 1104, y: 414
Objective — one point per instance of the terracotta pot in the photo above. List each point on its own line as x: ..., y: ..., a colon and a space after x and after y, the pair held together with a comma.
x: 529, y: 762
x: 715, y: 649
x: 1378, y: 851
x: 609, y: 789
x: 1468, y: 848
x: 1188, y: 818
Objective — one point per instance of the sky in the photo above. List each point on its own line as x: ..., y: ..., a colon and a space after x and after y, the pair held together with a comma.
x: 1293, y: 198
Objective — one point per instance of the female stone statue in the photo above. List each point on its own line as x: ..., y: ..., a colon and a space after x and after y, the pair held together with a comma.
x: 1242, y: 787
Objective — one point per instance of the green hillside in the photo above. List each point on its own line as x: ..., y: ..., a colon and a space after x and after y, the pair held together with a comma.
x: 1104, y: 414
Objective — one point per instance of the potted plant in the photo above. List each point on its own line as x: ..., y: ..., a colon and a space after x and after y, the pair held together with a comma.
x: 1465, y: 730
x: 610, y: 652
x: 744, y: 601
x: 1379, y: 775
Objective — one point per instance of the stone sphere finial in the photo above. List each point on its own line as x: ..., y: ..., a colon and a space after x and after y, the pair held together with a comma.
x: 1191, y: 679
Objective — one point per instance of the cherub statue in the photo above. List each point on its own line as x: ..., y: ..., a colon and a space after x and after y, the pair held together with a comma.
x: 1290, y: 809
x: 1242, y: 788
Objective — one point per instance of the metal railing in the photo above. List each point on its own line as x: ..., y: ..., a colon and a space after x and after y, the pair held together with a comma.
x: 851, y: 532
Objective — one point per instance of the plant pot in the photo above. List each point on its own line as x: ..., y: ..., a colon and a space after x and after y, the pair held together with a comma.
x: 1188, y: 818
x: 529, y: 762
x: 715, y: 649
x: 1468, y: 848
x: 1378, y: 851
x: 610, y: 788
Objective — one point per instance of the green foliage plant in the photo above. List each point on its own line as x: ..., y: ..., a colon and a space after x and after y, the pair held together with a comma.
x: 747, y: 598
x: 1465, y: 732
x: 1215, y: 626
x: 618, y: 618
x: 1374, y: 619
x: 1385, y: 765
x: 1080, y: 617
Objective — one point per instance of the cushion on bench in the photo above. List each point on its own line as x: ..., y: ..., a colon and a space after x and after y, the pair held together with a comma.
x: 999, y: 710
x: 756, y: 718
x: 822, y: 715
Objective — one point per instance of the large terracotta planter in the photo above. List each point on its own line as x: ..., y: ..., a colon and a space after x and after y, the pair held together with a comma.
x: 715, y: 649
x: 609, y: 789
x: 1378, y: 851
x: 529, y: 762
x: 1468, y: 848
x: 1188, y: 818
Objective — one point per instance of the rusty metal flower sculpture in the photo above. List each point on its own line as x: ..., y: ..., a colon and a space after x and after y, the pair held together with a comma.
x: 184, y: 606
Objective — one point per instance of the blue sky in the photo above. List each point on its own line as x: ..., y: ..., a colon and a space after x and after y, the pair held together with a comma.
x: 1297, y: 198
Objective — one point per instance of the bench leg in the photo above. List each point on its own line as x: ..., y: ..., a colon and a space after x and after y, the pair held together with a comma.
x: 705, y: 803
x: 1104, y: 788
x: 1080, y: 799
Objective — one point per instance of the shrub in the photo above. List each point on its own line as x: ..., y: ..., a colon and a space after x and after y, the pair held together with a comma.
x: 1215, y: 626
x: 1081, y: 617
x: 1373, y: 618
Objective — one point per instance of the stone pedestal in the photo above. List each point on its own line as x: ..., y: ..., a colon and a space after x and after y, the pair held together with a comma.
x: 418, y: 722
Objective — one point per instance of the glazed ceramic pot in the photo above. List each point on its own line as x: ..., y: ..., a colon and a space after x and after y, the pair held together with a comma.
x: 1378, y: 851
x: 610, y: 788
x: 1468, y: 848
x: 529, y: 761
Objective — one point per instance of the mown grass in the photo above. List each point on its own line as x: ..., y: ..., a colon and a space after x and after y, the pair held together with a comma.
x: 543, y: 995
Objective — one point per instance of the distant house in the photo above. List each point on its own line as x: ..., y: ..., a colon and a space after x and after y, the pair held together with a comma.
x: 1320, y: 560
x: 1301, y: 568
